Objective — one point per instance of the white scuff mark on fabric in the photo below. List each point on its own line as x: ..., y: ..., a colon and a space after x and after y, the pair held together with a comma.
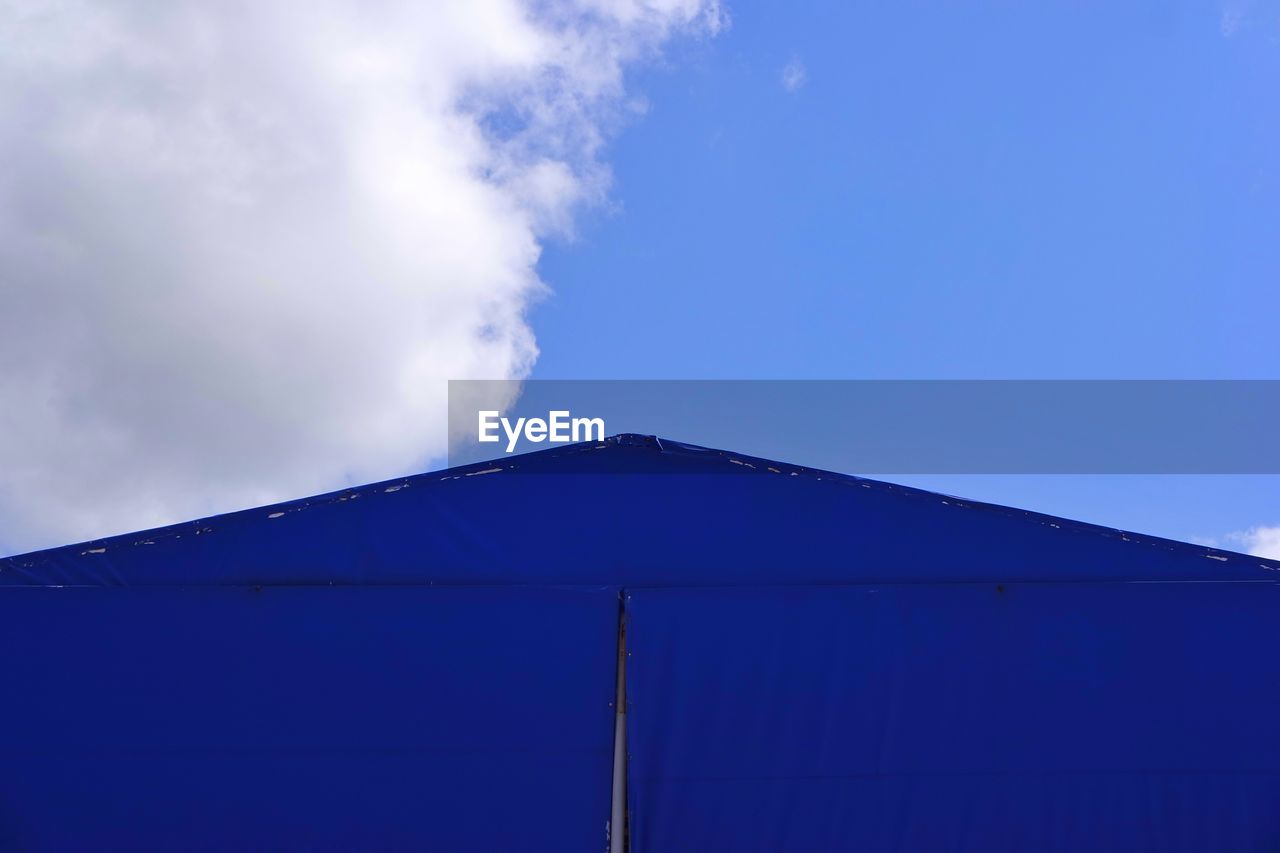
x: 1216, y: 557
x: 94, y: 551
x: 485, y: 471
x: 275, y: 515
x: 775, y: 470
x: 393, y: 488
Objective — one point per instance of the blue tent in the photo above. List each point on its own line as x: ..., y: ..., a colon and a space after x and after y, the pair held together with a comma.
x: 813, y: 662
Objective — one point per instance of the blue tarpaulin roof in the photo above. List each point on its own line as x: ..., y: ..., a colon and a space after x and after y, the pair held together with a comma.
x: 564, y: 516
x: 813, y: 662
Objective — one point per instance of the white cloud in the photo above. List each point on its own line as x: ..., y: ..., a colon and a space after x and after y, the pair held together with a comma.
x: 1257, y: 541
x: 1232, y: 16
x: 243, y: 244
x: 794, y: 75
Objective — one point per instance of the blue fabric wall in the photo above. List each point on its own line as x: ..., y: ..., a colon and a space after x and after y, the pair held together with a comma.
x: 817, y: 662
x: 318, y: 718
x: 955, y: 717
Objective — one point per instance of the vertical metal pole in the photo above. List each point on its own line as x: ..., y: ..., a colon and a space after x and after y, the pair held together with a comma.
x: 618, y: 814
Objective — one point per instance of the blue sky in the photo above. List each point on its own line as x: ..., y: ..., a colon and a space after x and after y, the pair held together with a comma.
x: 1049, y: 190
x: 1032, y: 191
x: 245, y: 245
